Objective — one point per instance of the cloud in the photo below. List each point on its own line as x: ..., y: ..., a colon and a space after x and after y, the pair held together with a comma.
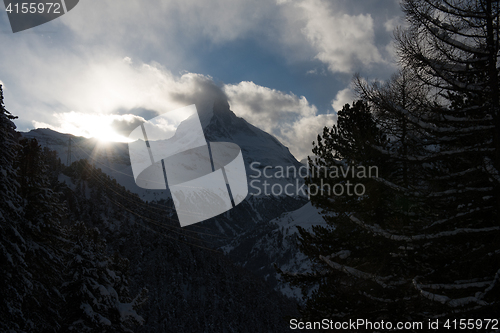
x: 124, y: 124
x: 390, y: 26
x: 316, y: 71
x: 392, y: 23
x: 267, y: 108
x: 197, y: 89
x: 165, y: 25
x: 343, y: 97
x: 340, y: 40
x: 302, y: 133
x: 176, y: 31
x: 292, y: 119
x: 103, y: 85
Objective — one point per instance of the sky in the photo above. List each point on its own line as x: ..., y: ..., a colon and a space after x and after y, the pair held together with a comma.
x: 284, y: 65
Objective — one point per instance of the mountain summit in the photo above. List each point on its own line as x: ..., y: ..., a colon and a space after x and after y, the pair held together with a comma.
x: 221, y: 124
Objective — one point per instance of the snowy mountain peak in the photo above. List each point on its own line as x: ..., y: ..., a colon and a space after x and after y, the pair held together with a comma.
x: 221, y: 124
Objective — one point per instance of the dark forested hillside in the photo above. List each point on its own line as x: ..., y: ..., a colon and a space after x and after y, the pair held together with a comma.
x: 192, y: 287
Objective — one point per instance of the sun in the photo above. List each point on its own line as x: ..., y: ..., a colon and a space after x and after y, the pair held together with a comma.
x: 102, y: 130
x: 110, y: 135
x: 98, y: 126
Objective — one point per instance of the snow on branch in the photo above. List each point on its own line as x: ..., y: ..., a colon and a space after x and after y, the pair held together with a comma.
x: 445, y: 37
x: 471, y: 149
x: 441, y: 29
x: 386, y: 300
x: 462, y: 190
x: 377, y: 230
x: 378, y: 299
x: 306, y: 274
x: 460, y: 215
x: 457, y: 11
x: 454, y: 29
x: 457, y: 174
x: 357, y: 273
x: 445, y: 299
x: 449, y: 118
x: 343, y: 254
x: 490, y: 287
x: 492, y: 171
x: 432, y: 194
x: 434, y: 128
x: 456, y: 286
x: 395, y: 186
x: 449, y: 77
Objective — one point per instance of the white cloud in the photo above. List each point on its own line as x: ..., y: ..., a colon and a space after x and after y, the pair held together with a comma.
x: 302, y: 133
x: 390, y: 26
x: 343, y: 97
x: 173, y: 30
x: 99, y: 85
x: 316, y: 71
x: 105, y: 86
x: 147, y: 23
x: 392, y: 23
x: 267, y: 108
x: 292, y: 119
x: 340, y: 40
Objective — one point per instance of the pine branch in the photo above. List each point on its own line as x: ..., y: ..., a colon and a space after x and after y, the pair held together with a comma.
x: 377, y: 230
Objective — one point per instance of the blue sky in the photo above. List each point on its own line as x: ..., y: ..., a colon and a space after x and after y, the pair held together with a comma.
x: 284, y: 65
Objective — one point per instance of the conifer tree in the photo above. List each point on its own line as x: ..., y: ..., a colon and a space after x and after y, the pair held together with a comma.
x: 96, y: 290
x: 434, y: 251
x: 41, y: 228
x: 14, y: 276
x: 452, y: 47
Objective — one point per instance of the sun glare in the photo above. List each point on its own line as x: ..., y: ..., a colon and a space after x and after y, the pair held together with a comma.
x: 98, y: 126
x: 101, y: 129
x: 110, y: 136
